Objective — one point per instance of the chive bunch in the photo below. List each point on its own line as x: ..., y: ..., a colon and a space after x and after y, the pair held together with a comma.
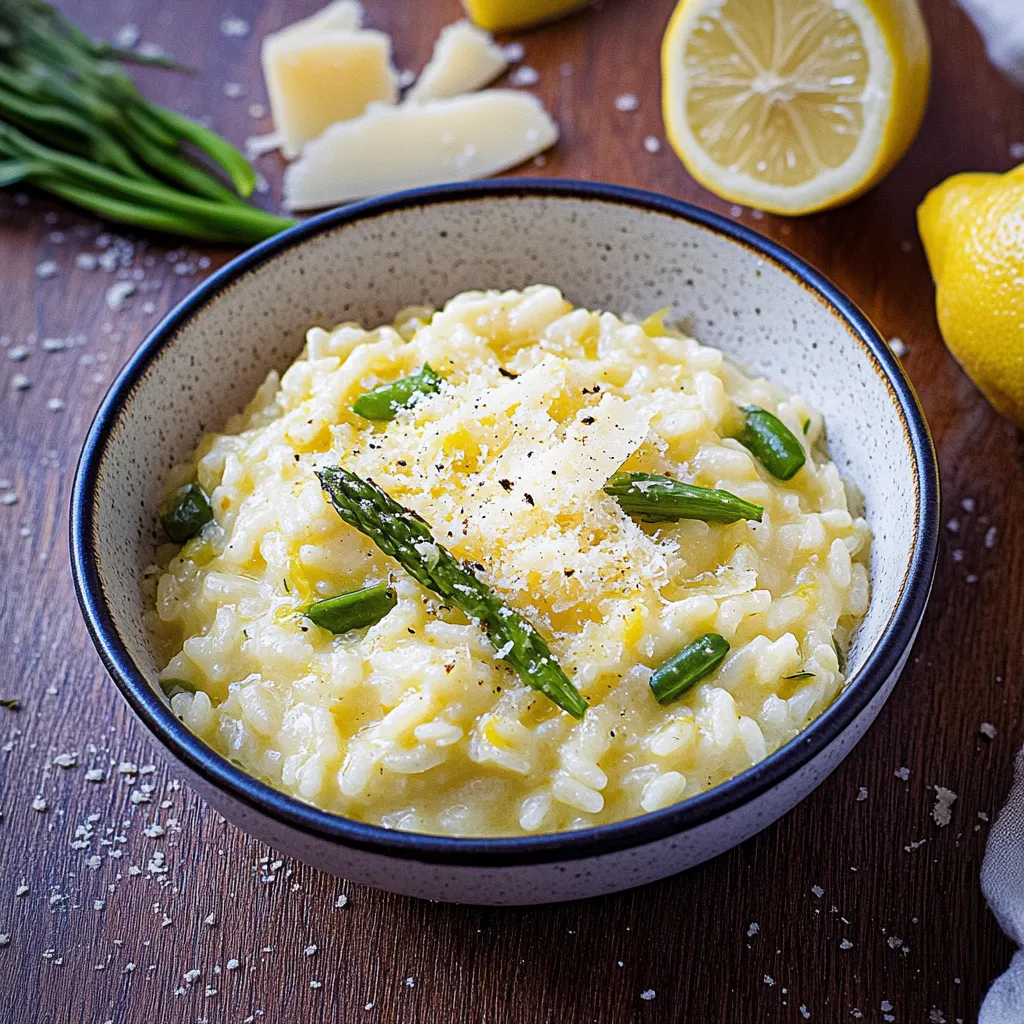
x: 73, y: 123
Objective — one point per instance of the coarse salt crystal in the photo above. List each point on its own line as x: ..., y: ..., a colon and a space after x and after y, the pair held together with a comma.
x: 648, y: 994
x: 17, y: 353
x: 818, y: 891
x: 988, y: 729
x: 899, y: 347
x: 942, y: 812
x: 20, y: 382
x: 47, y: 269
x: 626, y: 102
x: 55, y: 404
x: 10, y: 498
x: 66, y: 760
x: 309, y: 950
x: 118, y: 294
x: 990, y: 537
x: 127, y: 36
x: 652, y: 144
x: 257, y: 145
x: 514, y: 52
x: 341, y: 901
x: 232, y: 965
x: 524, y: 75
x: 902, y: 774
x: 234, y: 90
x: 752, y: 929
x: 233, y: 26
x: 968, y: 504
x: 862, y: 794
x: 846, y: 944
x: 39, y: 804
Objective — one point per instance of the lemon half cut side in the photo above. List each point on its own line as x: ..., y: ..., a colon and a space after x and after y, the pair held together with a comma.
x: 793, y: 105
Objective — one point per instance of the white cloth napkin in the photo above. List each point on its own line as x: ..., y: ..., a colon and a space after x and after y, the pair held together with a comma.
x: 1001, y: 24
x: 1002, y: 882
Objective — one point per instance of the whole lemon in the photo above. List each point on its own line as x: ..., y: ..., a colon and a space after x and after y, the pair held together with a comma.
x: 972, y: 227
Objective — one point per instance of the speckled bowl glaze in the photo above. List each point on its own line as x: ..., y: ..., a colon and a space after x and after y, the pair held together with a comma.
x: 605, y: 247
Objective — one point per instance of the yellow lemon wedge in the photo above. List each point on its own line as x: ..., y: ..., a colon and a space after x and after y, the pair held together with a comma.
x: 972, y: 227
x: 794, y: 106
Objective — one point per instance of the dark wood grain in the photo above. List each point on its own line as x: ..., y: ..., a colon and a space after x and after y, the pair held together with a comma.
x: 383, y: 958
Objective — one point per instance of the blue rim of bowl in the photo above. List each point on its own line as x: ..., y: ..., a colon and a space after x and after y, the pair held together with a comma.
x: 147, y: 702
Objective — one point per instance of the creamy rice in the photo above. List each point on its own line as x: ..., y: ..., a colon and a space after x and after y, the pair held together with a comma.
x: 414, y: 722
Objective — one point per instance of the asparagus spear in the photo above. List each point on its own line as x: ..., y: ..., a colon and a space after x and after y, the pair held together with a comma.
x: 353, y: 610
x: 687, y: 668
x: 406, y: 537
x: 656, y: 498
x: 186, y: 513
x: 771, y: 442
x: 383, y: 403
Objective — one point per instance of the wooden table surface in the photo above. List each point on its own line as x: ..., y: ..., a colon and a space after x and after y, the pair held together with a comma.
x: 848, y: 908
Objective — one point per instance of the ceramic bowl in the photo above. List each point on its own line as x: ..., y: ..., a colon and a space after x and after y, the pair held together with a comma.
x: 606, y: 247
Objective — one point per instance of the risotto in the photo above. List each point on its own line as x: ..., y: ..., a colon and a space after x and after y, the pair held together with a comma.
x: 508, y: 567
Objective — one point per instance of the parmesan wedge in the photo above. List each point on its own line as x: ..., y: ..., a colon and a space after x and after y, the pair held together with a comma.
x: 465, y: 59
x: 392, y: 148
x: 318, y: 76
x: 342, y: 15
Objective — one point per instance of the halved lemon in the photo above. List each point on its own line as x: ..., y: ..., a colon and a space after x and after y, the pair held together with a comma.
x: 794, y: 105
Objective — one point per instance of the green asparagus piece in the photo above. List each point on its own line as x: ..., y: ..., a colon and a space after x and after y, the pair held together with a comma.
x: 11, y: 703
x: 771, y: 442
x: 406, y: 537
x: 687, y: 668
x: 384, y: 402
x: 186, y: 513
x: 656, y: 498
x: 353, y: 610
x: 172, y: 687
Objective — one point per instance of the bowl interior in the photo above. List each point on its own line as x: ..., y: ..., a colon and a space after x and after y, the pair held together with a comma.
x: 604, y: 251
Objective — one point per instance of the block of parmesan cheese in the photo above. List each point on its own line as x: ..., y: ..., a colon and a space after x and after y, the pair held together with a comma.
x: 417, y: 144
x: 342, y: 15
x: 322, y: 75
x: 465, y: 59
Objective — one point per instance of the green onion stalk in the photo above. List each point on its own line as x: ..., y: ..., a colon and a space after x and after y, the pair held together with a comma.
x: 73, y: 123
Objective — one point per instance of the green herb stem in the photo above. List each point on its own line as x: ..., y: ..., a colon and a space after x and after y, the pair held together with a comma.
x: 238, y: 169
